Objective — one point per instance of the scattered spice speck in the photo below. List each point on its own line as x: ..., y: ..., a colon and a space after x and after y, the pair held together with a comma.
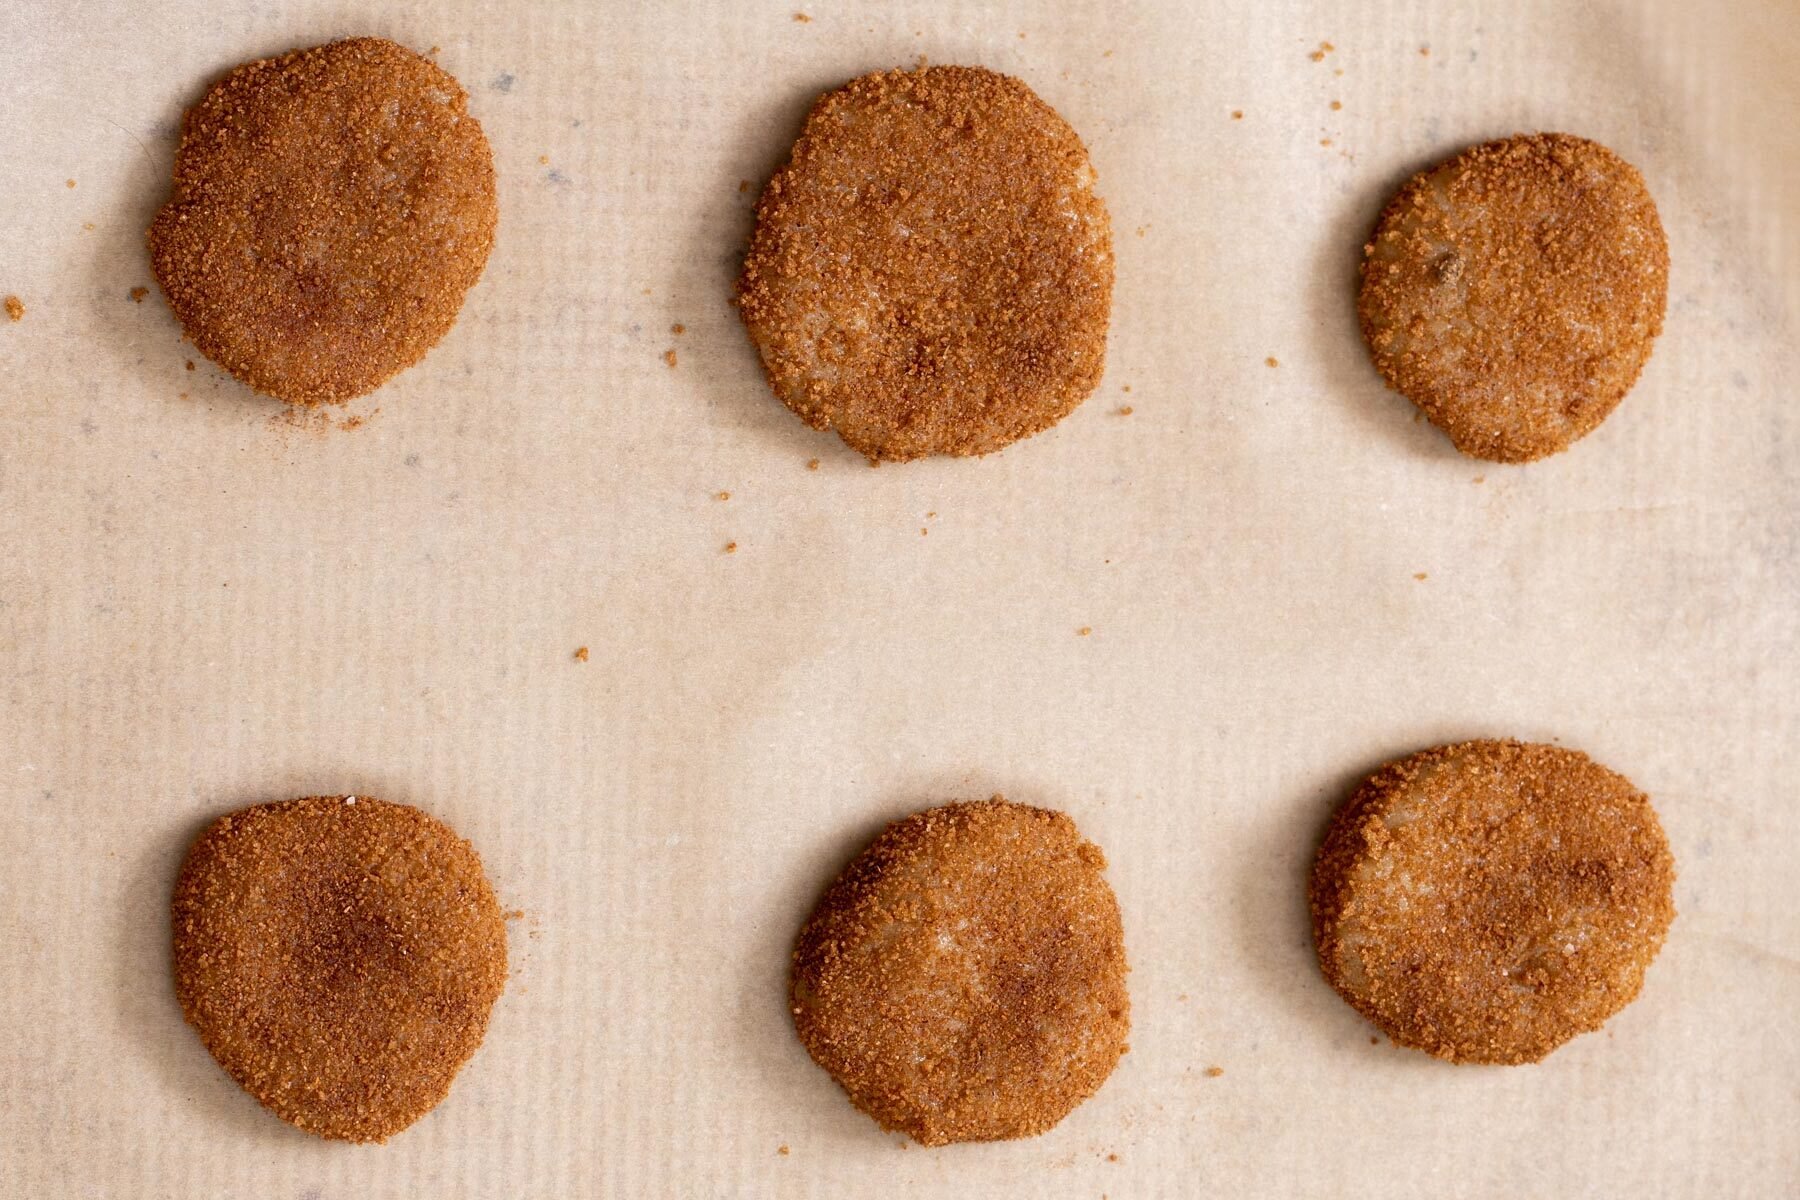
x: 731, y: 547
x: 722, y: 496
x: 1214, y: 1072
x: 1481, y: 479
x: 669, y: 356
x: 1271, y: 361
x: 743, y: 185
x: 1126, y: 410
x: 812, y: 464
x: 782, y: 1150
x: 800, y: 18
x: 543, y: 160
x: 678, y: 329
x: 69, y: 182
x: 1324, y: 141
x: 1112, y: 1158
x: 1237, y: 114
x: 1420, y: 575
x: 137, y: 294
x: 190, y: 364
x: 1084, y: 631
x: 1424, y: 51
x: 1141, y: 229
x: 15, y: 308
x: 1336, y: 105
x: 581, y: 654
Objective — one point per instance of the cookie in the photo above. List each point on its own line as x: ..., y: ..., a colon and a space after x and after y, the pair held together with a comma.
x: 339, y: 957
x: 1514, y: 292
x: 1487, y: 901
x: 931, y: 272
x: 964, y: 979
x: 331, y: 208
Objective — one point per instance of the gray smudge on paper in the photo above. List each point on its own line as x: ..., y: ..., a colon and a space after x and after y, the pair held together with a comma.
x: 503, y: 82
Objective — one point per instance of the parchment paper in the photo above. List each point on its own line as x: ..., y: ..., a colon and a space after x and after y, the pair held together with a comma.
x: 1287, y: 578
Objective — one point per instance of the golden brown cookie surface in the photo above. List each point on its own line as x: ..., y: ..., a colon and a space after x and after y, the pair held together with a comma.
x: 931, y: 272
x: 1514, y: 292
x: 964, y: 978
x: 331, y: 207
x: 1487, y: 901
x: 339, y: 957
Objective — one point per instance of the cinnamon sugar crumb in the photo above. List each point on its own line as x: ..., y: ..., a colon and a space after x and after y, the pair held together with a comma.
x: 15, y: 308
x: 1420, y: 575
x: 69, y: 182
x: 138, y: 293
x: 190, y: 364
x: 731, y: 547
x: 782, y: 1150
x: 1126, y: 410
x: 669, y: 356
x: 678, y: 329
x: 1272, y: 361
x: 581, y: 654
x: 722, y: 496
x: 812, y: 464
x: 1084, y: 631
x: 1214, y: 1072
x: 801, y: 19
x: 1237, y: 114
x: 1336, y: 105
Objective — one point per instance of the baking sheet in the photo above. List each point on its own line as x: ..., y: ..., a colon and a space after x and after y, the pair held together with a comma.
x: 1287, y: 580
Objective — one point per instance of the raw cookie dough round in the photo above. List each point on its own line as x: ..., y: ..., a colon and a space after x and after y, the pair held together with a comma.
x: 932, y: 270
x: 1514, y: 292
x: 339, y: 956
x: 331, y: 208
x: 964, y: 978
x: 1485, y: 902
